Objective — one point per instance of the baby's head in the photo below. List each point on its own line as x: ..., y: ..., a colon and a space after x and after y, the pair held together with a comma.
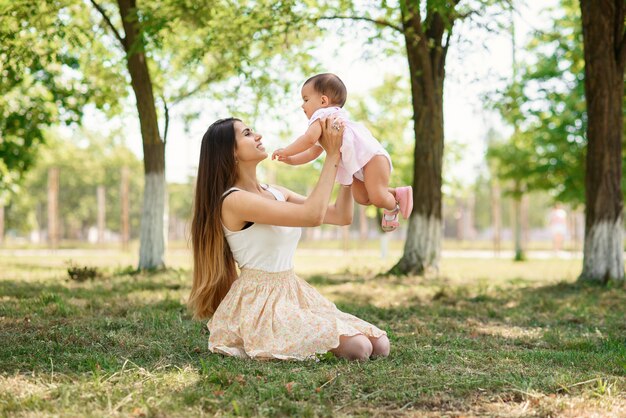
x: 322, y: 90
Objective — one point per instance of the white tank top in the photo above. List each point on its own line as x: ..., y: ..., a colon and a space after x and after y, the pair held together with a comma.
x: 264, y: 247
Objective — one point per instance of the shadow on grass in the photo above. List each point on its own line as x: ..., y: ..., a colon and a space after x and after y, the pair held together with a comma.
x: 98, y: 325
x: 501, y: 340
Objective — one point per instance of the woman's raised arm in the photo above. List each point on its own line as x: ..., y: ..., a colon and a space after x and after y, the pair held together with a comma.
x: 250, y: 207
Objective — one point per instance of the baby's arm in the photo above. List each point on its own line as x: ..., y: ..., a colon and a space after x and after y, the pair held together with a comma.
x: 303, y: 143
x: 303, y: 157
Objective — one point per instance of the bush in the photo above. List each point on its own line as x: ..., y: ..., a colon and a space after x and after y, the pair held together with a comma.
x: 81, y: 274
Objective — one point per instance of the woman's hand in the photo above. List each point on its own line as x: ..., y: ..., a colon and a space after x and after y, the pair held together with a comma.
x: 332, y: 135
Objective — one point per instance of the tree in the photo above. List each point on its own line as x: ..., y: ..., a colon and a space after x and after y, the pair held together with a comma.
x: 152, y: 245
x: 39, y: 86
x: 605, y: 58
x: 166, y: 52
x: 425, y: 28
x: 557, y: 131
x: 234, y: 39
x: 81, y: 170
x: 512, y: 160
x: 547, y: 102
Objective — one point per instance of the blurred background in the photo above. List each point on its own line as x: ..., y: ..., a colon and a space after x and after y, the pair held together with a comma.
x: 513, y: 105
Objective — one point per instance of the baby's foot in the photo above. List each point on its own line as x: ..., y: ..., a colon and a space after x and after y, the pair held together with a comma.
x: 404, y: 197
x: 390, y: 219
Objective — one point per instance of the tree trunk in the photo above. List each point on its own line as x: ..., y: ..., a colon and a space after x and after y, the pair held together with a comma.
x: 101, y: 199
x: 1, y: 223
x: 125, y: 212
x: 53, y: 207
x: 497, y: 215
x: 426, y: 57
x: 460, y: 219
x: 517, y: 228
x: 152, y: 243
x: 524, y: 220
x: 603, y: 34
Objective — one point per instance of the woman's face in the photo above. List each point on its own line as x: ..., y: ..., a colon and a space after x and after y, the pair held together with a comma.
x: 249, y: 145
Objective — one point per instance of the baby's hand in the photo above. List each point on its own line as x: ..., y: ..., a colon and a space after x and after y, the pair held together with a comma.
x: 279, y: 154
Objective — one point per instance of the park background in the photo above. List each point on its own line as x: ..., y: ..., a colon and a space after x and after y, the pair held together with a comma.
x: 490, y: 285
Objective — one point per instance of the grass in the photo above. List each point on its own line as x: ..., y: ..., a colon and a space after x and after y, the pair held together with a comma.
x: 488, y: 337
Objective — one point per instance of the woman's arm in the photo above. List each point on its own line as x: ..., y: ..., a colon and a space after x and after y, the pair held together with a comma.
x: 241, y: 207
x: 339, y: 213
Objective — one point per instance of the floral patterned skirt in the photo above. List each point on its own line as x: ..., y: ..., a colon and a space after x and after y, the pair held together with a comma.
x: 279, y: 316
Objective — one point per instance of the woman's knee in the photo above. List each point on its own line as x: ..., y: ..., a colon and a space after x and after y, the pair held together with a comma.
x: 361, y: 348
x: 380, y: 346
x: 357, y: 347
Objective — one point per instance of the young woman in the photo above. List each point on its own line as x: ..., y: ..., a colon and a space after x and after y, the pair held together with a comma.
x: 267, y: 312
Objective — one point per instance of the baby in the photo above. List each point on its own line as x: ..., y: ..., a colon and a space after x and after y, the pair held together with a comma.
x: 364, y: 162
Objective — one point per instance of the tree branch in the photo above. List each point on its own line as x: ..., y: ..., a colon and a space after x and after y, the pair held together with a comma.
x: 109, y: 23
x: 445, y: 47
x: 379, y: 22
x: 194, y: 90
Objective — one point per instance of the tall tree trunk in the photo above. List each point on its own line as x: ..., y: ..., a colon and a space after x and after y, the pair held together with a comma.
x: 1, y: 223
x: 518, y: 221
x: 101, y: 199
x: 605, y: 54
x: 496, y: 215
x: 125, y: 208
x: 152, y: 243
x: 53, y: 207
x: 426, y: 57
x: 517, y: 228
x: 525, y: 221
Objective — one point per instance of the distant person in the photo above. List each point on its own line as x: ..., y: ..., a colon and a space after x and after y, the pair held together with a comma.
x: 267, y: 312
x: 558, y: 226
x: 364, y: 162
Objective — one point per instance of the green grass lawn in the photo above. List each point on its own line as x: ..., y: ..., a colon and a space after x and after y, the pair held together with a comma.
x: 487, y: 337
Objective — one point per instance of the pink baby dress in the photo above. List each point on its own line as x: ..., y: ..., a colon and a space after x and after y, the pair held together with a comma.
x: 359, y: 145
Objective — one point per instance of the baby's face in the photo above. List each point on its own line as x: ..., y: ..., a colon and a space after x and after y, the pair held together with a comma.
x: 312, y: 100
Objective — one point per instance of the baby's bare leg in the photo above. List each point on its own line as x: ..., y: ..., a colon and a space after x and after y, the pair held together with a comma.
x: 376, y: 174
x: 359, y: 192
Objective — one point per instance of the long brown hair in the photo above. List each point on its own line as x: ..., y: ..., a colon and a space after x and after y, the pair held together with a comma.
x: 213, y: 263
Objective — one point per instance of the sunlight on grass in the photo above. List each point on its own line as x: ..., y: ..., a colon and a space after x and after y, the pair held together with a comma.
x: 485, y: 337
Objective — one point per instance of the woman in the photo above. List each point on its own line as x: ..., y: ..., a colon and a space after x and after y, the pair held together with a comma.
x: 267, y: 312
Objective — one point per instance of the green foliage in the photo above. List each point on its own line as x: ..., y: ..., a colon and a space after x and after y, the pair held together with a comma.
x: 41, y: 85
x: 59, y: 55
x: 547, y: 103
x: 300, y: 179
x: 237, y: 53
x: 181, y: 199
x: 81, y: 170
x: 84, y: 273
